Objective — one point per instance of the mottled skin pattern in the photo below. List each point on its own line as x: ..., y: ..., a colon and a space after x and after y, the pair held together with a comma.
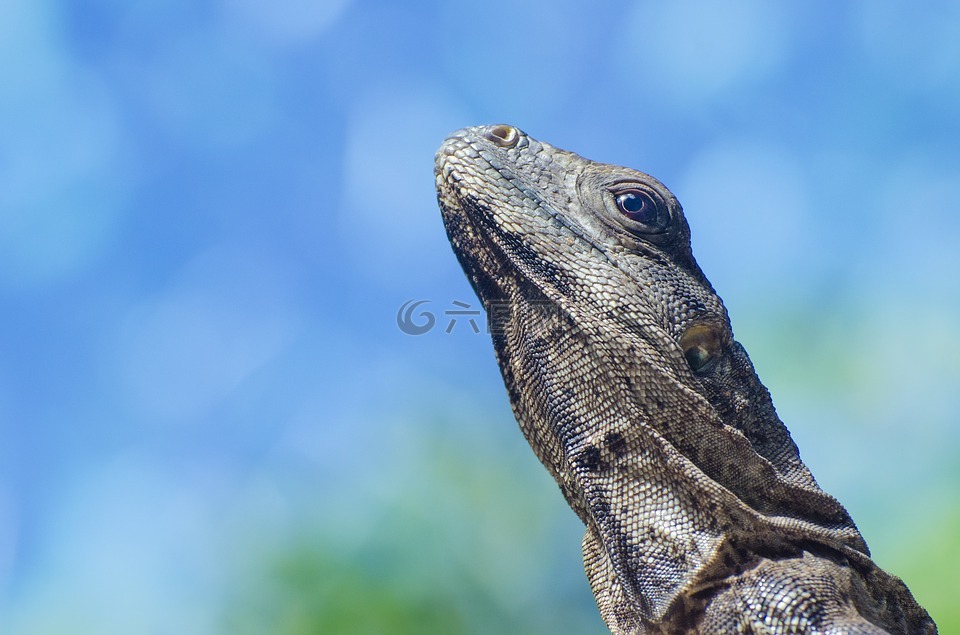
x: 626, y: 380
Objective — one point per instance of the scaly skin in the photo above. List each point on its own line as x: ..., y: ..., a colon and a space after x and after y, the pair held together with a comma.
x: 626, y: 380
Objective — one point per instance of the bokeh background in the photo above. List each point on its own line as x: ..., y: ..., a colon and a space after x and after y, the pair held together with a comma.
x: 211, y: 212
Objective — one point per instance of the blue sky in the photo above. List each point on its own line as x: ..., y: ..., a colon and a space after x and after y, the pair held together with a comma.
x: 210, y: 213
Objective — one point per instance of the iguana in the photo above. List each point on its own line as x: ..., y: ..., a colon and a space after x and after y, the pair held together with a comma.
x: 622, y: 370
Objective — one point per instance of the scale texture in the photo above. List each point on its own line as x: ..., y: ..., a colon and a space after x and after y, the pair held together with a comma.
x: 626, y: 380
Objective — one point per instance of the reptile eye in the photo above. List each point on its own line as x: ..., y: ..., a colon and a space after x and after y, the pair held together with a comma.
x: 701, y: 346
x: 642, y: 210
x: 638, y: 206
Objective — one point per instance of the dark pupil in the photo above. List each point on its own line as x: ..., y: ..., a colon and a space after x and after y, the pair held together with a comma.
x: 637, y: 206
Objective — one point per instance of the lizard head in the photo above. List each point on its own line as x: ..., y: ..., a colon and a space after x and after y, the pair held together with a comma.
x: 528, y: 219
x: 522, y: 213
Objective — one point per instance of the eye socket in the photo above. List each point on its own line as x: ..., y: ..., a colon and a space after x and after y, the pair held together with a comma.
x: 642, y: 210
x: 701, y: 347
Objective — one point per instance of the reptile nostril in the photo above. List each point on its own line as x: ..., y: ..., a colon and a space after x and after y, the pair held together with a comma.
x: 502, y: 135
